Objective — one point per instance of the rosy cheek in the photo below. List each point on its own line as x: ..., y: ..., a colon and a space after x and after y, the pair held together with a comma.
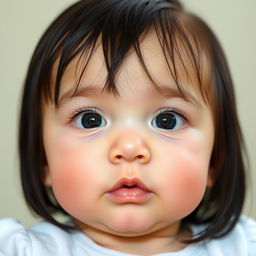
x: 185, y: 186
x: 69, y: 184
x: 190, y: 189
x: 71, y: 177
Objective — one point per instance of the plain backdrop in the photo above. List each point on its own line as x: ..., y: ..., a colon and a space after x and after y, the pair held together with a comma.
x: 22, y: 23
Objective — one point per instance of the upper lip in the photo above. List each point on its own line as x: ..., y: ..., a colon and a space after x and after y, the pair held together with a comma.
x: 129, y: 182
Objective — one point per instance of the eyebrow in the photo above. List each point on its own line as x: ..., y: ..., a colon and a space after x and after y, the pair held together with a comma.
x: 166, y: 91
x: 84, y: 91
x: 174, y: 91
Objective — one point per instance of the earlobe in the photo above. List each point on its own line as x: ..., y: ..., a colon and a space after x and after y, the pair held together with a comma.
x: 210, y: 180
x: 47, y: 177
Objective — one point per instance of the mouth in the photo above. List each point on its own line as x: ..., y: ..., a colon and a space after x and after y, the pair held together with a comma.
x: 129, y: 191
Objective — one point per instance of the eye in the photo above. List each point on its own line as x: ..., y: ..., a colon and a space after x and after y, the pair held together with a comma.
x: 168, y: 120
x: 88, y: 119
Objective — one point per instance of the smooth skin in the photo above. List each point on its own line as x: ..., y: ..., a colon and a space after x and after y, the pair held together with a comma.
x: 83, y: 164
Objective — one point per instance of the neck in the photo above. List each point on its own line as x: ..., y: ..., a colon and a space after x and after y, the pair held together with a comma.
x: 167, y: 239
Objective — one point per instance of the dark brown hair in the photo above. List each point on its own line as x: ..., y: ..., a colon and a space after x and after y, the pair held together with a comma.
x: 121, y: 25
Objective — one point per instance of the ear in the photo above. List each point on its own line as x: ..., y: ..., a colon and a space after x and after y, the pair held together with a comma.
x: 210, y: 180
x: 47, y: 181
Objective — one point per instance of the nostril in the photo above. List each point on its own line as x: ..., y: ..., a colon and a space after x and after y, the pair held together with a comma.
x: 116, y: 156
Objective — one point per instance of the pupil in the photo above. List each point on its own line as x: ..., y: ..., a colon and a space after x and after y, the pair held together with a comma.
x: 91, y: 120
x: 166, y: 121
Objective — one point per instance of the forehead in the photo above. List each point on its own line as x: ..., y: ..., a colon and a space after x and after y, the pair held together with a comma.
x: 153, y: 69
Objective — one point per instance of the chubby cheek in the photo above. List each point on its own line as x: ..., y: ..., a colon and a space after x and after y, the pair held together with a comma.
x: 70, y: 187
x: 72, y: 178
x: 184, y: 179
x: 184, y: 191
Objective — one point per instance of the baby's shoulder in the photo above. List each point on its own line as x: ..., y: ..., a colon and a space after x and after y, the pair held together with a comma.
x: 248, y: 226
x: 244, y: 232
x: 41, y: 239
x: 240, y: 241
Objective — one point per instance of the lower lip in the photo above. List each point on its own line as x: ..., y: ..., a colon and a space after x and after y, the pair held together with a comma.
x: 129, y: 195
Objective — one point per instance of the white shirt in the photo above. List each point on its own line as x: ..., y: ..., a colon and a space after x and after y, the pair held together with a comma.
x: 45, y: 239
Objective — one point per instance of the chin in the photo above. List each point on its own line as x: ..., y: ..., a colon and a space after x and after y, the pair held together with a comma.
x: 131, y: 227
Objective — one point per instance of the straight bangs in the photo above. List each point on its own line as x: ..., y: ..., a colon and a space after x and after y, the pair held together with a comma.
x: 120, y: 27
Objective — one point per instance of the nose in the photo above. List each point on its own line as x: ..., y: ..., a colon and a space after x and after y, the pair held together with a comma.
x: 129, y: 147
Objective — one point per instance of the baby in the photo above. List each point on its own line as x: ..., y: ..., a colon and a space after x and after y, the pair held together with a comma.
x: 129, y: 127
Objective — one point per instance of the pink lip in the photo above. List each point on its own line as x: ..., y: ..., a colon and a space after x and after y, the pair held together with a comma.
x: 129, y: 191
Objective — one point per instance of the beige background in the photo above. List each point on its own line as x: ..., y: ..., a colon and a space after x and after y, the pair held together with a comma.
x: 23, y: 21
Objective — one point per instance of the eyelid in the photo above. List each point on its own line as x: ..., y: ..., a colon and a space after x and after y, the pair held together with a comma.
x: 174, y: 110
x: 80, y: 112
x: 181, y: 120
x: 84, y: 110
x: 87, y: 109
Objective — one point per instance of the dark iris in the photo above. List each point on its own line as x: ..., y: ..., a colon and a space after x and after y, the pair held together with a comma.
x: 91, y: 120
x: 166, y: 121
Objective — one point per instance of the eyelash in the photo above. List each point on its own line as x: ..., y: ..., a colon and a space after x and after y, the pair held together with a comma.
x: 84, y: 109
x: 81, y: 110
x: 176, y: 111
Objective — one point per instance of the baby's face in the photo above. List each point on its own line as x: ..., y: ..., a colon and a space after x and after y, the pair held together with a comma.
x: 128, y: 164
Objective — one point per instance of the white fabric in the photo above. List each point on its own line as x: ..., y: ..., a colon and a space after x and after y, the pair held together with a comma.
x: 45, y: 239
